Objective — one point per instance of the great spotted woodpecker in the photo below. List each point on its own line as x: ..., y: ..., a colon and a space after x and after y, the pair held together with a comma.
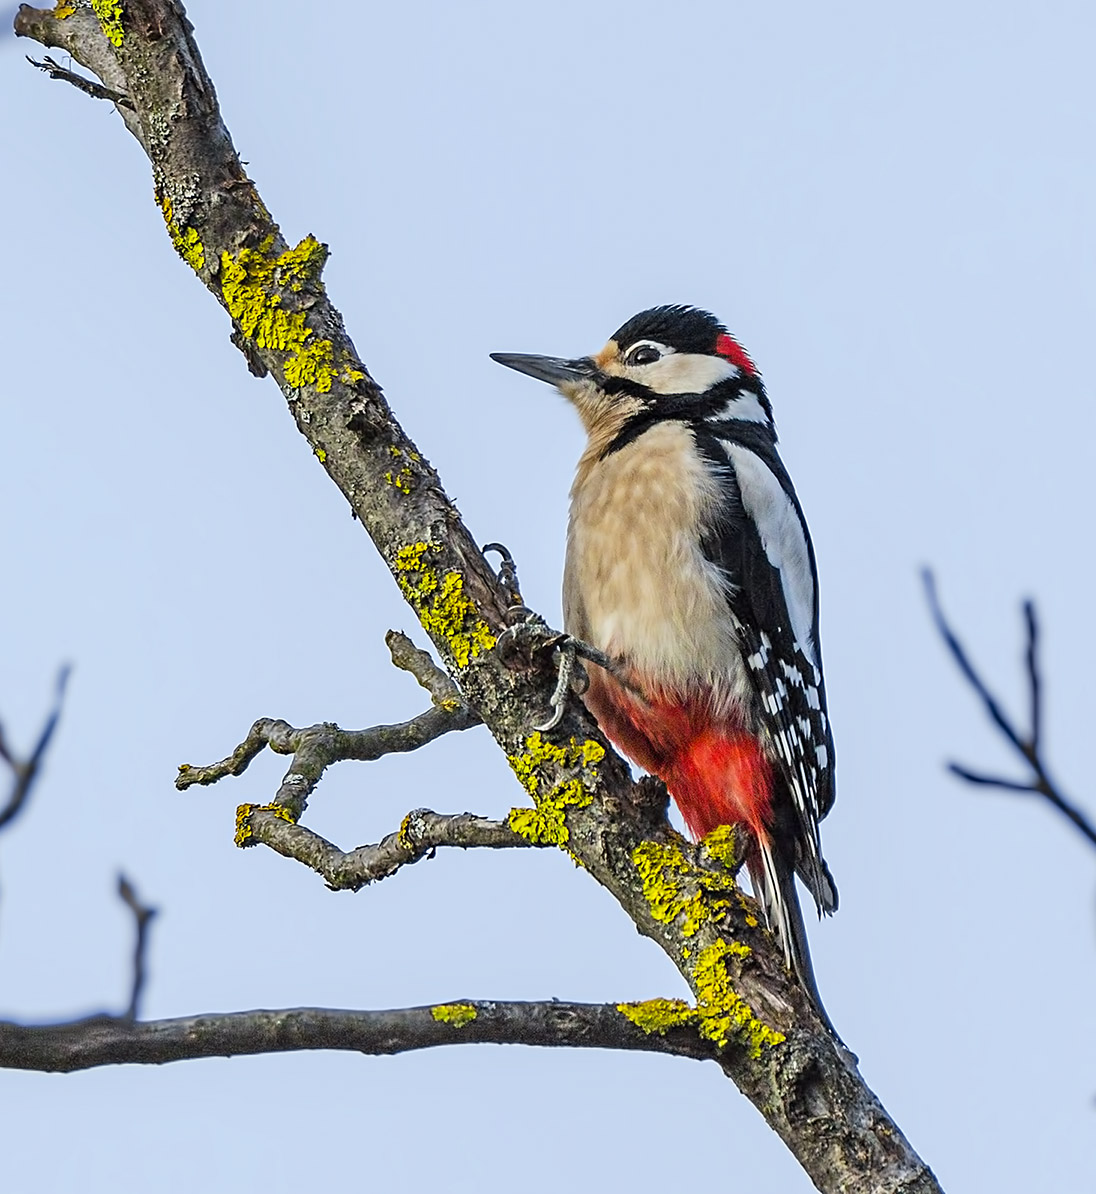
x: 689, y: 564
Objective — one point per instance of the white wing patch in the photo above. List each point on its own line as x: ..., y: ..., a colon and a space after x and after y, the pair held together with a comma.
x: 783, y: 539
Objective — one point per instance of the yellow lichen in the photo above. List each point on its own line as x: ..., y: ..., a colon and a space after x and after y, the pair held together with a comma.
x: 659, y: 1015
x: 404, y: 835
x: 321, y: 455
x: 546, y: 823
x: 674, y: 886
x: 401, y: 478
x: 457, y: 1014
x: 439, y: 600
x: 62, y: 10
x: 720, y: 844
x: 253, y: 282
x: 186, y: 241
x: 725, y: 1015
x: 244, y: 832
x: 109, y: 13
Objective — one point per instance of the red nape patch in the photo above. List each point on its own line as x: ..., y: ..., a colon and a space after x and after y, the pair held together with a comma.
x: 728, y: 347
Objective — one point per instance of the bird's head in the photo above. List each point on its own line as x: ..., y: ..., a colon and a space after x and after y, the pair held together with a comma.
x: 666, y: 363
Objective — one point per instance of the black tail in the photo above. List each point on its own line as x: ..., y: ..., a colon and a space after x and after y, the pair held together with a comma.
x: 773, y: 880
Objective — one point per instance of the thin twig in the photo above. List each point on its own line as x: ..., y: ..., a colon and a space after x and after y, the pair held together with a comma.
x: 1028, y: 746
x: 142, y: 914
x: 437, y: 682
x: 315, y: 748
x: 1034, y: 683
x: 26, y: 772
x: 90, y: 87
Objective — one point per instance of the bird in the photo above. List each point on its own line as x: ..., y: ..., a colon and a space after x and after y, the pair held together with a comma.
x: 691, y: 573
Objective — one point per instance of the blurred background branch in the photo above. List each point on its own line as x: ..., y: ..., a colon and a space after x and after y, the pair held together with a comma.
x: 1027, y: 744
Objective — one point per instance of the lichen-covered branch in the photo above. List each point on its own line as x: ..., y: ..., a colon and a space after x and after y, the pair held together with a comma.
x: 421, y: 833
x: 759, y: 1023
x: 1027, y: 745
x: 109, y: 1040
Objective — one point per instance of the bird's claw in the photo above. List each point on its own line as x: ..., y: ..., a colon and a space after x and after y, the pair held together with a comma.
x: 569, y: 669
x: 507, y: 576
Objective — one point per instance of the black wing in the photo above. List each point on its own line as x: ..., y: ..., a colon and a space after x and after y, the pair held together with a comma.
x: 760, y: 541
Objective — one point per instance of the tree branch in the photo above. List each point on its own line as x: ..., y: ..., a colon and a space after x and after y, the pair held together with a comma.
x: 142, y: 915
x: 88, y: 86
x: 109, y: 1040
x: 1028, y: 745
x: 421, y: 833
x: 764, y: 1029
x: 25, y: 772
x: 315, y: 748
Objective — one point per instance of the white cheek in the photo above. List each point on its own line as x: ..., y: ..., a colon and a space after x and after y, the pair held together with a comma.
x: 684, y: 373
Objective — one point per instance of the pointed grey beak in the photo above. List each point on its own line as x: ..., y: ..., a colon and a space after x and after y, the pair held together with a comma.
x: 554, y: 370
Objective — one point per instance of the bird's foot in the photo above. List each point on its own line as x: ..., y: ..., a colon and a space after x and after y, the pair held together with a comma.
x: 569, y: 669
x: 529, y: 635
x: 573, y: 677
x: 507, y: 576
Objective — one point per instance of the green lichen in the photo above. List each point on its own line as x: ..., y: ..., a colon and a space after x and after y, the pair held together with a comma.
x: 725, y: 1015
x: 186, y: 241
x: 545, y: 824
x: 457, y: 1014
x: 109, y: 13
x: 244, y: 832
x: 440, y: 602
x: 659, y: 1015
x: 254, y: 282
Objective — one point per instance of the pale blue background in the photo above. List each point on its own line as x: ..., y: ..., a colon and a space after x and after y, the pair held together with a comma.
x: 891, y: 206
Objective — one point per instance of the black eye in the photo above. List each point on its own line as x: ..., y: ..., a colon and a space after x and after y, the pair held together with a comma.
x: 644, y: 354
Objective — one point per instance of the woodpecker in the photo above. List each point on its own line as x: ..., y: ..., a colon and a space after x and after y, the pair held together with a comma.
x: 690, y: 566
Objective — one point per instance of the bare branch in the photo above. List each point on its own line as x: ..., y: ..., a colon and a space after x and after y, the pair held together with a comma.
x: 421, y: 833
x: 26, y: 772
x: 141, y: 917
x: 1034, y: 683
x: 90, y: 87
x: 107, y: 1040
x: 993, y: 709
x: 1028, y: 746
x: 315, y: 748
x: 437, y: 682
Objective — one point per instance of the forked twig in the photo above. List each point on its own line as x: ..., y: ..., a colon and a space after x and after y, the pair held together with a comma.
x: 26, y: 771
x: 1028, y: 745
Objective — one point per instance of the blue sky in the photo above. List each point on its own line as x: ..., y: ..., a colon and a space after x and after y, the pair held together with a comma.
x: 891, y: 209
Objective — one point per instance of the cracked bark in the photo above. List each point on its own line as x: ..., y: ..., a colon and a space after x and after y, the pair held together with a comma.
x: 678, y: 895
